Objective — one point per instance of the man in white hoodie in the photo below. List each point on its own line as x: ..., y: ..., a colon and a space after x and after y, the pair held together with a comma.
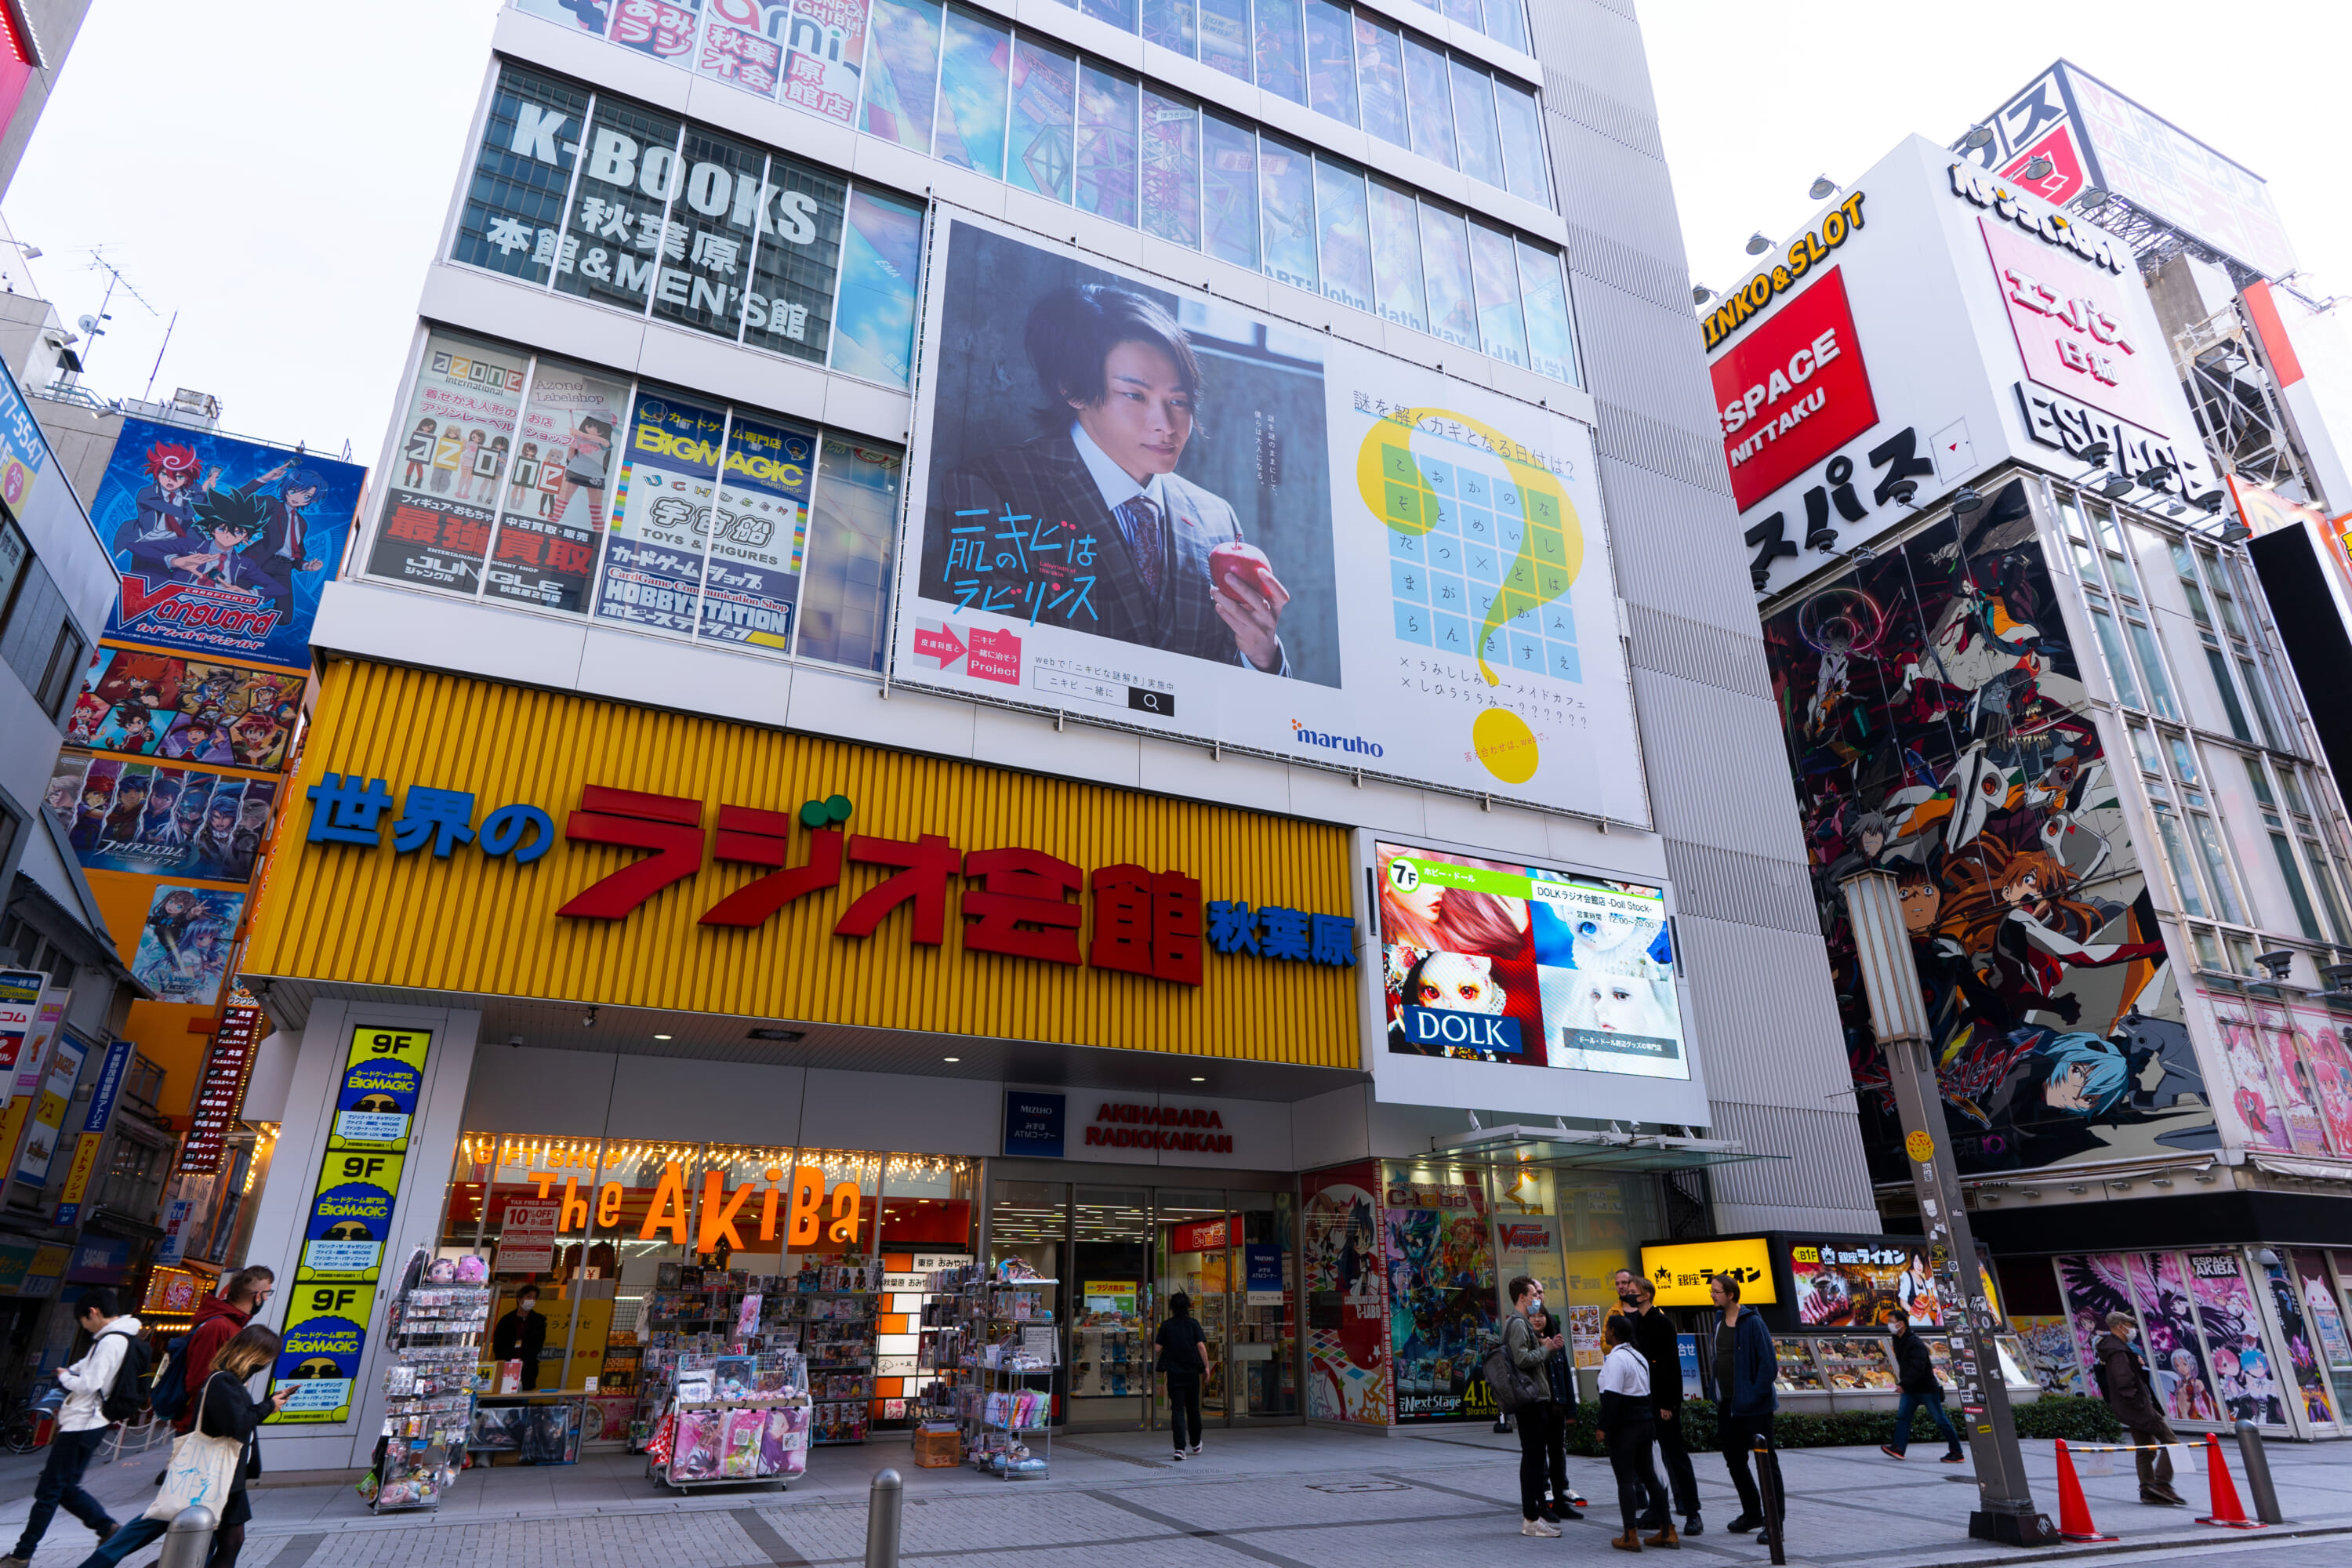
x: 81, y: 1426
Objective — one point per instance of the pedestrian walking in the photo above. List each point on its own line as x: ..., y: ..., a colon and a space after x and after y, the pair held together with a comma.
x: 1743, y: 1368
x: 1628, y: 1426
x: 222, y: 1407
x: 2131, y: 1395
x: 82, y: 1424
x: 1654, y: 1337
x: 1528, y: 1349
x: 1183, y: 1361
x: 1558, y: 1412
x: 1915, y: 1375
x: 220, y: 1317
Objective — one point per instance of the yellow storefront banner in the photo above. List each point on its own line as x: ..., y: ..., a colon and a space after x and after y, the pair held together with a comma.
x: 1682, y: 1272
x: 457, y: 835
x: 85, y: 1160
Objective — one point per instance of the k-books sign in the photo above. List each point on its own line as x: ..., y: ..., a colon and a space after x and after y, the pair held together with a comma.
x: 1140, y: 503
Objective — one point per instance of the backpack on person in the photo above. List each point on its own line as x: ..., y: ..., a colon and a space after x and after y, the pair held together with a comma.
x: 169, y: 1398
x: 126, y: 1396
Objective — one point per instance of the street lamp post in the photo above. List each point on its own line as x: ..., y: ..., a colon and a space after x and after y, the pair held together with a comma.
x: 1899, y: 1017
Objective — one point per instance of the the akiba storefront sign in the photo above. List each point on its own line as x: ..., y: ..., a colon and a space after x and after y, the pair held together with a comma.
x: 1969, y: 323
x: 604, y: 854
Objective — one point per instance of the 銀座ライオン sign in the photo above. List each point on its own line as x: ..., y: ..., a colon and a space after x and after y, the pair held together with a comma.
x: 571, y: 848
x: 1680, y: 1272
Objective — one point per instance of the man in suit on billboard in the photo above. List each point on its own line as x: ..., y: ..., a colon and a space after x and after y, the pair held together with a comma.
x: 1088, y: 526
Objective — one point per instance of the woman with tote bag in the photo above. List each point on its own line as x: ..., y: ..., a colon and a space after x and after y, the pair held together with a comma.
x: 209, y: 1465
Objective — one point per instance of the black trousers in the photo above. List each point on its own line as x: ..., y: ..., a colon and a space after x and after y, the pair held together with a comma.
x: 1674, y: 1457
x: 1739, y: 1435
x: 1555, y: 1419
x: 1534, y: 1425
x: 1630, y: 1461
x: 1185, y: 1409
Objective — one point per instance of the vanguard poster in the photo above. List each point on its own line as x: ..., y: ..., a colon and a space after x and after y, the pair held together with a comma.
x: 1142, y: 502
x: 224, y: 546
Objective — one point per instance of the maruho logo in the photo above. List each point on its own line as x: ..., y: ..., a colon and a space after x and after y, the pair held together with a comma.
x: 1307, y: 737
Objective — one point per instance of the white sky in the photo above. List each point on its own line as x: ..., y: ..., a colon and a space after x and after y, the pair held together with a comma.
x: 285, y: 199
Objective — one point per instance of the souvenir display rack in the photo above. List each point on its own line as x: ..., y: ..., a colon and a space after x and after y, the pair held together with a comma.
x: 825, y: 1311
x: 734, y: 1418
x: 435, y: 1327
x: 1855, y: 1370
x: 1009, y: 1350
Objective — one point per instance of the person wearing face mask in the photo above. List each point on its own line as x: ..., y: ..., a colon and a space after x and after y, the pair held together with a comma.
x: 1559, y: 1415
x: 1654, y: 1337
x: 1529, y: 1348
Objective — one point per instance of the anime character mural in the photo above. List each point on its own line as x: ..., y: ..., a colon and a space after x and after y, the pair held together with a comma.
x: 1938, y: 728
x: 183, y: 947
x: 1347, y: 1364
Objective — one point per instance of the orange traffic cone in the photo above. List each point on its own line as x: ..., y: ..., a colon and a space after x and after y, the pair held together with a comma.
x: 2073, y: 1509
x: 2227, y: 1511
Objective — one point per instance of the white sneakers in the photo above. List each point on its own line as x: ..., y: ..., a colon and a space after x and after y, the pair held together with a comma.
x: 1196, y: 1449
x: 1537, y: 1526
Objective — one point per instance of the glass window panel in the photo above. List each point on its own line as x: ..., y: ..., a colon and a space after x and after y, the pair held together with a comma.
x: 2184, y: 876
x: 846, y: 586
x: 973, y: 56
x: 2264, y: 721
x: 521, y: 173
x: 1429, y: 102
x: 2217, y: 867
x: 2326, y: 881
x: 2078, y: 538
x: 553, y: 499
x: 1171, y: 169
x: 2160, y: 688
x: 1396, y: 258
x: 1286, y: 200
x: 1107, y: 104
x: 2184, y: 761
x: 1119, y: 14
x: 2144, y: 747
x: 1380, y: 79
x: 1495, y: 270
x: 715, y: 218
x: 1473, y: 123
x: 1229, y: 189
x: 1520, y: 126
x: 2221, y: 683
x: 2229, y: 616
x: 881, y: 256
x: 1225, y: 36
x: 615, y: 240
x: 2184, y: 563
x: 1044, y: 98
x: 1445, y: 259
x: 429, y: 538
x: 1281, y: 54
x: 653, y: 547
x: 1551, y: 330
x: 2119, y: 669
x: 2260, y: 781
x: 1168, y: 23
x: 759, y: 534
x: 1463, y: 11
x: 903, y: 75
x: 1346, y: 239
x: 827, y: 40
x: 2292, y: 787
x: 1506, y: 23
x: 1330, y: 60
x: 2292, y: 873
x: 2209, y: 950
x: 791, y: 303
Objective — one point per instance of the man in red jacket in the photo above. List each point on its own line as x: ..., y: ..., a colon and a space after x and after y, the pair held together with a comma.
x: 218, y: 1319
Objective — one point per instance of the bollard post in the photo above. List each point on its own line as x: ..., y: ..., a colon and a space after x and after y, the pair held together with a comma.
x: 1768, y: 1482
x: 882, y: 1520
x: 2257, y: 1465
x: 188, y: 1538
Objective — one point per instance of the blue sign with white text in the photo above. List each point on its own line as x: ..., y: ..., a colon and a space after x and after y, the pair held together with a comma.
x: 1468, y: 1031
x: 1033, y: 1124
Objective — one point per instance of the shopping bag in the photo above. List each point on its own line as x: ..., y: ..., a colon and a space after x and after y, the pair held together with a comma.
x: 201, y: 1472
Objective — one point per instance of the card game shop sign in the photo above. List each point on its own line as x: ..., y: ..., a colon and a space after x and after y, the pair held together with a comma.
x: 608, y: 854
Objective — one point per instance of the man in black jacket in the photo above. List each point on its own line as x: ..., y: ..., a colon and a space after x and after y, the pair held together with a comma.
x: 1915, y: 1375
x: 1654, y: 1337
x: 2131, y: 1395
x: 521, y: 1335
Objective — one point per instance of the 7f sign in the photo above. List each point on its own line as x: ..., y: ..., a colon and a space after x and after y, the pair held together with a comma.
x: 1793, y: 393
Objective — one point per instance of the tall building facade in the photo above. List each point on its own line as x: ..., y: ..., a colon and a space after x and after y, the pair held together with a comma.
x: 1154, y: 580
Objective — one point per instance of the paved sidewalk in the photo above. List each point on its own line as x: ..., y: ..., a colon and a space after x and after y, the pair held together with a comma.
x: 1288, y: 1497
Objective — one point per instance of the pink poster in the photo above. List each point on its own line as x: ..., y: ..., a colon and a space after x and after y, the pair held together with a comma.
x: 2251, y: 1102
x: 2291, y: 1075
x: 2327, y: 1048
x: 1347, y: 1314
x: 2308, y: 1373
x: 2243, y: 1380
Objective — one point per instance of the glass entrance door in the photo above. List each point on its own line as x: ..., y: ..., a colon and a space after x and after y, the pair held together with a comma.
x: 1192, y: 1235
x: 1111, y: 1316
x: 1263, y: 1364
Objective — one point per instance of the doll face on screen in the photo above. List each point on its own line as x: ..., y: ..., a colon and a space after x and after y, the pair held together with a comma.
x: 1459, y: 982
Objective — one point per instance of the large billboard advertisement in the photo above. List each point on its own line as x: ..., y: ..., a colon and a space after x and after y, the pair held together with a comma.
x: 1934, y: 322
x: 1144, y: 504
x: 1938, y: 728
x: 224, y: 546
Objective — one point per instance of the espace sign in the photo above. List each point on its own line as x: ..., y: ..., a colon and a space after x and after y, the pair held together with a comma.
x: 1793, y: 391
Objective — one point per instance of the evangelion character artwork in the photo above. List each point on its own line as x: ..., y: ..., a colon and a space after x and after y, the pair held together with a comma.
x: 1938, y: 729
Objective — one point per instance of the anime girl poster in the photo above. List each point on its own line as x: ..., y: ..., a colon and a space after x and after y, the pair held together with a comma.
x: 1937, y: 727
x: 2324, y: 1048
x: 183, y: 945
x: 2244, y: 1383
x: 2095, y: 1284
x: 2251, y: 1097
x: 1346, y: 1319
x: 1440, y: 1262
x: 2175, y: 1357
x: 2321, y: 1312
x: 2305, y: 1376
